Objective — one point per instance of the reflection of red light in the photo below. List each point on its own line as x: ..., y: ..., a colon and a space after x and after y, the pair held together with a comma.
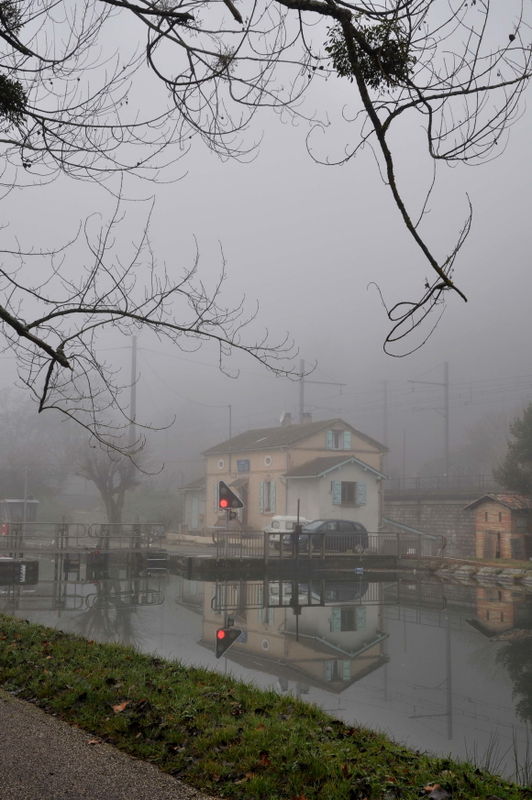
x: 224, y: 503
x: 220, y: 634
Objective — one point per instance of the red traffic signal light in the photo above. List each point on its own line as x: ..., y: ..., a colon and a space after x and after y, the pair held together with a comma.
x: 225, y: 637
x: 227, y: 499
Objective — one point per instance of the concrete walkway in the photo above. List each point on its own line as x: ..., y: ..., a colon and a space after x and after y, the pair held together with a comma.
x: 43, y: 758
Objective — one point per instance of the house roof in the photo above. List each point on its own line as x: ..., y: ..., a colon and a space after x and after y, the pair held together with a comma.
x: 283, y: 436
x: 511, y: 500
x: 295, y: 670
x: 320, y: 466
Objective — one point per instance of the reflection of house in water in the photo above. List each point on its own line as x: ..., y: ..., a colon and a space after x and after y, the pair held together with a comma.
x: 323, y: 633
x: 190, y: 594
x: 499, y: 611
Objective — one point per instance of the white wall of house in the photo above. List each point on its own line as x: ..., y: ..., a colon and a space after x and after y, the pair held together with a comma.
x: 317, y: 496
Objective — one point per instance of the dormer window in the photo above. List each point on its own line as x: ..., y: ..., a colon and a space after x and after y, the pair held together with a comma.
x: 339, y: 440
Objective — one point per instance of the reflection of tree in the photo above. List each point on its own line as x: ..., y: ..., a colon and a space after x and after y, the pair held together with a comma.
x: 516, y: 656
x: 110, y: 617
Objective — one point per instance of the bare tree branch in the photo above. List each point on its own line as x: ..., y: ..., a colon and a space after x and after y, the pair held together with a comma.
x: 71, y: 103
x: 58, y: 350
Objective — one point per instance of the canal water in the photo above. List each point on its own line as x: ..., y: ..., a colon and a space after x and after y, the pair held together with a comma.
x: 440, y: 667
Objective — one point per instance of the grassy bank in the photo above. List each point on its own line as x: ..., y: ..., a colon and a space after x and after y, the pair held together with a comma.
x: 217, y: 734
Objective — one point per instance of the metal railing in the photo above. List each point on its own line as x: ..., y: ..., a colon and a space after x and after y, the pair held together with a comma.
x: 241, y: 545
x: 244, y: 596
x: 19, y: 537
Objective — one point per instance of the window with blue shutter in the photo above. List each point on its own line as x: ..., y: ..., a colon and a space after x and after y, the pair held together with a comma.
x: 348, y: 618
x: 335, y: 620
x: 336, y: 440
x: 361, y: 620
x: 336, y: 492
x: 267, y: 496
x: 361, y: 494
x: 337, y: 670
x: 348, y: 493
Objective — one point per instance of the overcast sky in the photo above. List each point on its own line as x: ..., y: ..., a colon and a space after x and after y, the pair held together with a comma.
x: 306, y: 240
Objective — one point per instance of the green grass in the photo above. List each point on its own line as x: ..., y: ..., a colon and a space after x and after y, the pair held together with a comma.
x: 217, y: 734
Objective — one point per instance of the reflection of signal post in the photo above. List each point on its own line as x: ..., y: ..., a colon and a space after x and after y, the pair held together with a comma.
x: 228, y: 501
x: 225, y: 637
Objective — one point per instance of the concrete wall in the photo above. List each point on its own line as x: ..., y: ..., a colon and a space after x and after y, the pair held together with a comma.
x: 438, y: 516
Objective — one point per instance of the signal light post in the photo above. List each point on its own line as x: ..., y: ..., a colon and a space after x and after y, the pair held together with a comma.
x: 228, y: 501
x: 225, y: 637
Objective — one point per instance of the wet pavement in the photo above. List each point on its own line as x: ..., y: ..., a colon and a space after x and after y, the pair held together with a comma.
x: 43, y: 758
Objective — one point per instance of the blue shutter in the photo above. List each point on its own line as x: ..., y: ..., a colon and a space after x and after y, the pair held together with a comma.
x: 261, y: 496
x: 360, y: 618
x: 335, y: 620
x: 346, y: 670
x: 330, y: 440
x: 272, y: 496
x: 361, y: 494
x: 347, y: 440
x: 336, y: 491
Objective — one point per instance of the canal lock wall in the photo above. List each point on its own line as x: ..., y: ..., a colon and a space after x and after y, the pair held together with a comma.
x: 435, y: 516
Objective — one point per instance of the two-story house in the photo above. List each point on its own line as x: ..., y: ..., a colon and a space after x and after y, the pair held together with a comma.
x: 331, y: 468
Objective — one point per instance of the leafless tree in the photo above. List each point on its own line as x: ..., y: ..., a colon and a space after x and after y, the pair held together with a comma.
x: 113, y: 474
x: 72, y: 101
x: 92, y: 285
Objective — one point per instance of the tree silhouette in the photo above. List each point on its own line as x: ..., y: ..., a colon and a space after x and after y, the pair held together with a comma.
x: 515, y: 472
x: 80, y: 96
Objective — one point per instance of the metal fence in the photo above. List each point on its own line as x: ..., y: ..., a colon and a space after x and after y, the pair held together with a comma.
x: 241, y: 546
x: 239, y: 596
x: 19, y: 537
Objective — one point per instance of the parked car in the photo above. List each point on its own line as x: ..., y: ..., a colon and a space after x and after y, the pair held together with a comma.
x: 282, y: 526
x: 340, y: 535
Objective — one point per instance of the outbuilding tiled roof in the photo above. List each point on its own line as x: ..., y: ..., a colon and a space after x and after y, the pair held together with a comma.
x: 283, y: 436
x: 324, y: 464
x: 511, y: 500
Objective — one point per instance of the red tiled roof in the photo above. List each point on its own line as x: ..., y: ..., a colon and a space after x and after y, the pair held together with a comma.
x: 511, y: 500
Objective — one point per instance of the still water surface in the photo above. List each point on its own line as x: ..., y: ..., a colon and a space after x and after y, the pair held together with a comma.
x: 440, y: 667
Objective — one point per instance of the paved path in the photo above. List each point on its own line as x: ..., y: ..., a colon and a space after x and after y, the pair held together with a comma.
x: 43, y: 758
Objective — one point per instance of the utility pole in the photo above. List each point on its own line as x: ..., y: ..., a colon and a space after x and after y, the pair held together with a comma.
x: 302, y: 383
x: 133, y: 392
x: 385, y: 418
x: 230, y: 434
x: 444, y: 411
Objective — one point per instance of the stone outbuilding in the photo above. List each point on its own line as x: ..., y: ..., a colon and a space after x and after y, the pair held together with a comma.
x: 503, y: 525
